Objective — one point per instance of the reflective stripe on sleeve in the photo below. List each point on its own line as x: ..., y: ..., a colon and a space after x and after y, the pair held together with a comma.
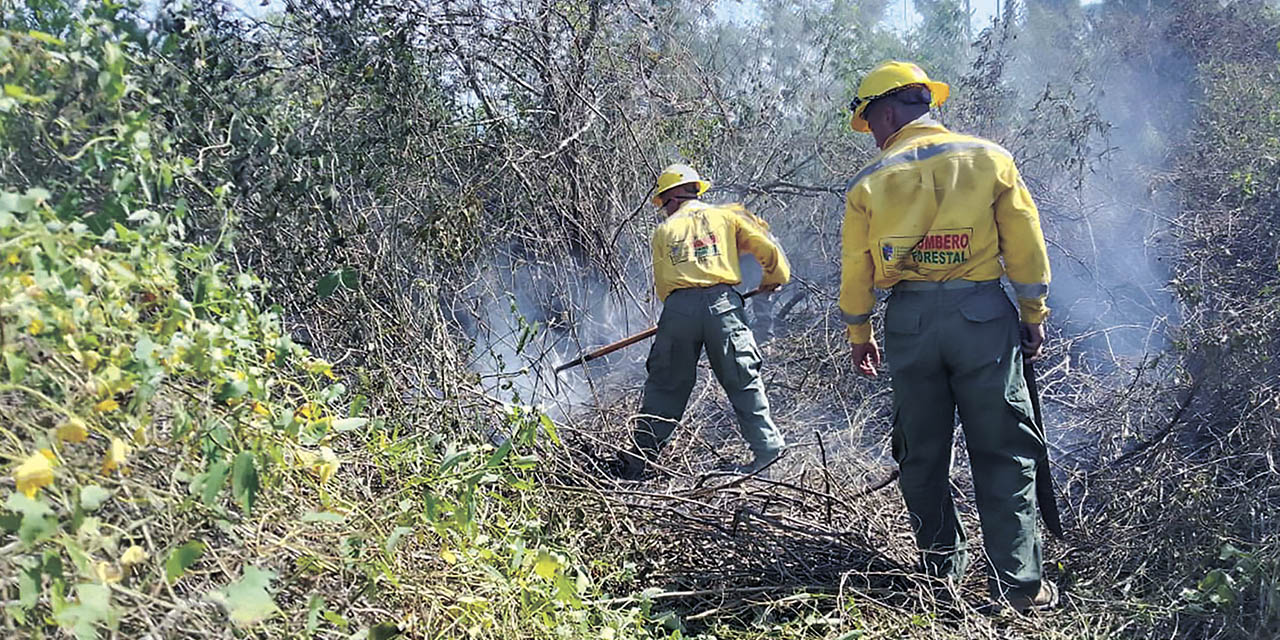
x: 924, y: 153
x: 861, y: 318
x: 1030, y: 291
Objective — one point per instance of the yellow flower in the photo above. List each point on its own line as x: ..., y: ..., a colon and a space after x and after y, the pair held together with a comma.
x: 320, y: 367
x: 106, y: 405
x: 133, y: 555
x: 305, y: 411
x: 27, y: 280
x: 269, y: 358
x: 261, y: 410
x: 36, y: 326
x: 13, y: 258
x: 117, y: 454
x: 327, y: 466
x: 323, y: 464
x: 73, y: 430
x: 34, y: 472
x: 108, y: 573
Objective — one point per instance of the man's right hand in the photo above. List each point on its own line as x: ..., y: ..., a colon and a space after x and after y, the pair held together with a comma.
x: 1032, y: 338
x: 866, y: 357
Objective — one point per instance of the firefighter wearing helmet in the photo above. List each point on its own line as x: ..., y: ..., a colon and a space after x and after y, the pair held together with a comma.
x: 938, y: 218
x: 696, y: 253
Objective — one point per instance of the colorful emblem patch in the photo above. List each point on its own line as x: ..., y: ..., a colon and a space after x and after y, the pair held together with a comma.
x: 700, y: 249
x: 940, y: 249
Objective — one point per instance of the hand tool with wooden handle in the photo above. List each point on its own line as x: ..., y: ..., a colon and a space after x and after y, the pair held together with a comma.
x: 625, y: 342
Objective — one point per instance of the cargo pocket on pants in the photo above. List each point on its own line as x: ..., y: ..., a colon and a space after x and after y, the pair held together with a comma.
x: 1018, y: 398
x: 746, y: 357
x: 897, y: 442
x: 658, y: 364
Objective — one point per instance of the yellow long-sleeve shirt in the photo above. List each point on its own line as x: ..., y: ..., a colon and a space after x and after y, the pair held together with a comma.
x: 936, y: 205
x: 699, y: 244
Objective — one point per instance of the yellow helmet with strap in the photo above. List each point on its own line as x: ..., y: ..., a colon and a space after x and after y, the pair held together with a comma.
x: 888, y: 78
x: 676, y: 175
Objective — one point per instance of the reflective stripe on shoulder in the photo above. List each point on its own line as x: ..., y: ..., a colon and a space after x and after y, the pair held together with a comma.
x: 924, y: 153
x: 1030, y: 291
x: 861, y: 318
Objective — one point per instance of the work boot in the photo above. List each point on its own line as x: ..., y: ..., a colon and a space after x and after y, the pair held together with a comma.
x: 761, y: 460
x: 632, y: 464
x: 1045, y: 600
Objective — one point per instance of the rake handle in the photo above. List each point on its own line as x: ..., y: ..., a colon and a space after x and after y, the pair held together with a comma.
x: 625, y: 342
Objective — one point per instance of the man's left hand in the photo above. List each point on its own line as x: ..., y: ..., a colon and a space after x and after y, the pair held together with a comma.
x: 1032, y: 334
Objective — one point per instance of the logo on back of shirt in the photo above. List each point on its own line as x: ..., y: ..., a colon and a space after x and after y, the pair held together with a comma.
x: 700, y: 249
x: 939, y: 250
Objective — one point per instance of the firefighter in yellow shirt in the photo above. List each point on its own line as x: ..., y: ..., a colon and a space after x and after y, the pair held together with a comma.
x: 938, y: 218
x: 695, y: 265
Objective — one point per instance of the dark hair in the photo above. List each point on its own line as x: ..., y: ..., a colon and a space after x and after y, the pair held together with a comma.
x: 915, y: 97
x: 690, y: 188
x: 912, y: 94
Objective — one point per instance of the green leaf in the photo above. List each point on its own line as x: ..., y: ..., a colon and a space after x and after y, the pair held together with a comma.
x: 546, y: 565
x: 358, y: 404
x: 93, y: 606
x: 350, y: 278
x: 20, y: 94
x: 525, y: 462
x: 336, y: 620
x: 349, y: 424
x: 499, y: 455
x: 327, y: 284
x: 550, y: 428
x: 323, y: 516
x: 53, y: 565
x: 244, y: 480
x: 396, y: 534
x: 28, y: 582
x: 231, y: 389
x: 38, y: 195
x: 181, y: 559
x: 567, y: 590
x: 17, y: 366
x: 314, y: 606
x: 16, y: 203
x: 145, y: 350
x: 38, y: 521
x: 45, y: 38
x: 92, y: 497
x: 248, y: 600
x: 384, y: 631
x: 452, y: 458
x: 212, y: 481
x: 346, y: 277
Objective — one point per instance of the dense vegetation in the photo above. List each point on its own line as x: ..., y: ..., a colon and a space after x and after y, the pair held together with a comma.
x: 268, y: 278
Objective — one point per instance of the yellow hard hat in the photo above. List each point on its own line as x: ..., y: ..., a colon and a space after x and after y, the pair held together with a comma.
x: 888, y: 78
x: 676, y: 175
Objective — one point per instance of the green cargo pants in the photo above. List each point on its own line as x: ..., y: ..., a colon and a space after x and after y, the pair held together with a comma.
x: 958, y: 348
x: 692, y: 319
